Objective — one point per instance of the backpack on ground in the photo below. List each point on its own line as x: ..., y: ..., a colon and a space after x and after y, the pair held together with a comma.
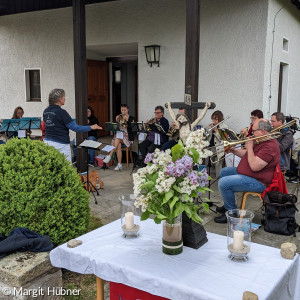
x: 279, y: 213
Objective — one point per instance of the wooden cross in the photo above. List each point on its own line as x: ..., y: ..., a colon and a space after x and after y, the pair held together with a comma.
x: 193, y: 106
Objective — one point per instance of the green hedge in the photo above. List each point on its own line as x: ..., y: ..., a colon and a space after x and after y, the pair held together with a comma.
x: 41, y: 191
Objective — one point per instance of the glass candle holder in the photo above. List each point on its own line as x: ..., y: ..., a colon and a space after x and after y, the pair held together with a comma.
x: 130, y: 216
x: 239, y: 233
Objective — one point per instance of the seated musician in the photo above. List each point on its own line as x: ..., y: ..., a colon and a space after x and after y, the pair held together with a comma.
x: 255, y: 171
x: 255, y: 114
x: 215, y: 139
x: 285, y: 141
x: 18, y: 114
x: 126, y: 136
x: 173, y: 132
x: 157, y: 135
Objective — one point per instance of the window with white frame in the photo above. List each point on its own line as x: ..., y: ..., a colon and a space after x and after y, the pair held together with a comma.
x: 33, y: 85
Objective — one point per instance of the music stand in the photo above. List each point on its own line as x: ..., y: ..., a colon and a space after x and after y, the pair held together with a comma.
x: 10, y: 125
x: 137, y: 127
x: 30, y: 123
x: 89, y: 144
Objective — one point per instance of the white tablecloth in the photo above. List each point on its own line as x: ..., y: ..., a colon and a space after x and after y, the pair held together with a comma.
x: 206, y: 273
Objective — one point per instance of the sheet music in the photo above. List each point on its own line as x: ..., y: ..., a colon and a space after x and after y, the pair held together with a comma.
x: 142, y: 136
x: 157, y: 139
x: 90, y: 143
x: 119, y: 135
x: 108, y: 148
x: 21, y: 133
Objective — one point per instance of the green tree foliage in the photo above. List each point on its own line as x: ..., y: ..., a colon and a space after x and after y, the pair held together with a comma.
x: 41, y: 191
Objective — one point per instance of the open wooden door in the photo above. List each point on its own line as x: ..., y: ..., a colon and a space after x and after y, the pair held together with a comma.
x: 98, y: 91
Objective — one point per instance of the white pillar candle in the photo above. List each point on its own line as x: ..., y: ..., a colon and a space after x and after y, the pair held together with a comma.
x: 129, y: 220
x: 238, y: 239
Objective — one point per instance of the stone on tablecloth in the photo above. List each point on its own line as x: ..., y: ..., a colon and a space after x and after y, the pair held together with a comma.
x: 249, y: 296
x: 74, y: 243
x: 288, y: 250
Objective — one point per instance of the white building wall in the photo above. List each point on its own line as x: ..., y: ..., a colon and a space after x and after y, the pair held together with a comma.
x: 232, y: 46
x: 232, y: 53
x: 36, y: 40
x: 287, y: 25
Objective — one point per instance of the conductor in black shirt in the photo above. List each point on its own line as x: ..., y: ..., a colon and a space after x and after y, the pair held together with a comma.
x: 158, y: 127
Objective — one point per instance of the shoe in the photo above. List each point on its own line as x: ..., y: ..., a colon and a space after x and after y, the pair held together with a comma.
x: 221, y: 219
x: 118, y: 167
x: 221, y: 209
x: 107, y: 159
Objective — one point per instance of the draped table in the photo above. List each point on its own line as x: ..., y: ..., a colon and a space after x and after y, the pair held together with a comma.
x: 206, y: 273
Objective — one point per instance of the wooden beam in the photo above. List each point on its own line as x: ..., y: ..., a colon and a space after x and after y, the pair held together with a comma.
x: 80, y: 76
x: 192, y: 51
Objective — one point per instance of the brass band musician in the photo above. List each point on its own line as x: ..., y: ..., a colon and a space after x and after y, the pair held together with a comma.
x: 158, y: 127
x: 124, y: 136
x: 255, y: 114
x: 285, y: 141
x: 215, y: 139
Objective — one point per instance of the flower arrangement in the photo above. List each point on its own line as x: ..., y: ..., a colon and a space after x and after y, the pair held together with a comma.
x: 167, y: 185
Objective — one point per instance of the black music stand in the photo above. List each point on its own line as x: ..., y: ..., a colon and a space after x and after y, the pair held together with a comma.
x: 137, y: 127
x: 89, y: 144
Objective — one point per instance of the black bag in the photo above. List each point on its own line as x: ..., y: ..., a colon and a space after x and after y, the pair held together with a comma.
x: 279, y: 213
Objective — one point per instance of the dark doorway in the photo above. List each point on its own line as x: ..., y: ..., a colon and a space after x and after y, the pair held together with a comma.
x: 124, y: 85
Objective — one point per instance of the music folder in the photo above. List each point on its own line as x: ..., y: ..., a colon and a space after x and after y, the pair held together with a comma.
x: 90, y: 144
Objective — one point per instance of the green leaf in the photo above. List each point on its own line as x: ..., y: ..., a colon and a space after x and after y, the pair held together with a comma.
x: 197, y: 219
x: 174, y: 200
x: 179, y: 208
x: 205, y: 206
x: 186, y: 197
x: 177, y: 151
x: 188, y: 211
x: 176, y: 188
x: 145, y: 215
x: 195, y: 155
x: 157, y: 220
x: 147, y: 184
x: 168, y: 196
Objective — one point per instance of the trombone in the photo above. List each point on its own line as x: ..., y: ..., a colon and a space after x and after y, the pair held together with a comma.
x: 286, y: 125
x: 227, y: 145
x: 208, y: 129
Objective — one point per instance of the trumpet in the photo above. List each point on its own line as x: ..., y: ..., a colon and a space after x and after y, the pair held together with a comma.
x: 286, y: 125
x: 227, y: 145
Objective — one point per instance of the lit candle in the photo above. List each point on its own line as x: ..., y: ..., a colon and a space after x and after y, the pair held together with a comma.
x: 129, y: 220
x: 238, y: 239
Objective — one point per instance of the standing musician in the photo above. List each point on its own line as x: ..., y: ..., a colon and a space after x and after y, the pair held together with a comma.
x: 157, y: 136
x: 214, y: 138
x: 255, y: 114
x: 254, y: 172
x: 285, y: 141
x: 125, y: 136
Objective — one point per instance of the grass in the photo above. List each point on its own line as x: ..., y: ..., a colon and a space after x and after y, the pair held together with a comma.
x: 85, y: 283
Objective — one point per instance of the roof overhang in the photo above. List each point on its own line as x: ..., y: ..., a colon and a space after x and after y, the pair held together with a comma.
x: 11, y: 7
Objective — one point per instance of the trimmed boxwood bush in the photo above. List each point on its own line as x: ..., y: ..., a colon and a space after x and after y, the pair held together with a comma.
x: 40, y: 190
